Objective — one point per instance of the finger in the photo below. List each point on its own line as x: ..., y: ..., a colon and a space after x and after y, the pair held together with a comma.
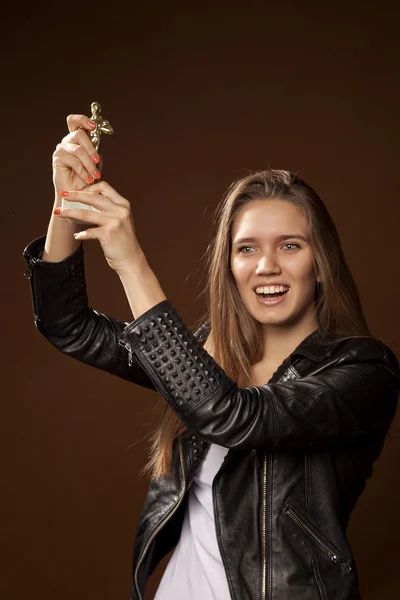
x: 88, y: 234
x: 64, y: 159
x: 99, y: 201
x: 82, y: 147
x: 74, y: 122
x: 81, y: 137
x: 105, y: 188
x: 76, y: 157
x: 89, y: 216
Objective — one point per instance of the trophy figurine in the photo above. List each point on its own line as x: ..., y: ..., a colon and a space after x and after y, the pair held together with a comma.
x: 102, y: 126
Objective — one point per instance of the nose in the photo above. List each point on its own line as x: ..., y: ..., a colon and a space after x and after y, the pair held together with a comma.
x: 267, y: 264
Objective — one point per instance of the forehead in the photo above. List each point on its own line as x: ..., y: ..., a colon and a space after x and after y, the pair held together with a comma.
x: 268, y: 218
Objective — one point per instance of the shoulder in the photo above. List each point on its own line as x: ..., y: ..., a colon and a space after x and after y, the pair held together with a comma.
x: 366, y: 349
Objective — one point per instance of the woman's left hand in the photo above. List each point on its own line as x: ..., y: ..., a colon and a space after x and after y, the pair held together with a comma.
x: 115, y: 228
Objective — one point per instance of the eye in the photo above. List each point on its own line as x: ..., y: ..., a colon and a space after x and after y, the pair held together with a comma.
x: 241, y: 248
x: 292, y: 244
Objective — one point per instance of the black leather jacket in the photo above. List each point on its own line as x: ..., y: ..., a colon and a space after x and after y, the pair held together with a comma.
x: 301, y: 447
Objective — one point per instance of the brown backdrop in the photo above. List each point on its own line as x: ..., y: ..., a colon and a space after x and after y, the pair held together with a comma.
x: 198, y: 95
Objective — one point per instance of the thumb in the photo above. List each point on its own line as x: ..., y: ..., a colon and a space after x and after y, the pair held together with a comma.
x: 88, y: 234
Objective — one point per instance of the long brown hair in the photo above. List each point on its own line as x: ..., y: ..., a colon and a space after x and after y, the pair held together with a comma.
x: 235, y: 338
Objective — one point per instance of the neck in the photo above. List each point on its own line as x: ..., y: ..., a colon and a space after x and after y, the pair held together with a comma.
x: 281, y: 340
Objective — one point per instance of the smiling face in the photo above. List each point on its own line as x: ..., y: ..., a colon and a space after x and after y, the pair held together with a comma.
x: 269, y: 258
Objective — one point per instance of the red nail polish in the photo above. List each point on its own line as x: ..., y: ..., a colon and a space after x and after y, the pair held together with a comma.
x: 97, y: 174
x: 90, y: 179
x: 95, y: 159
x: 64, y: 193
x: 92, y: 124
x: 57, y: 211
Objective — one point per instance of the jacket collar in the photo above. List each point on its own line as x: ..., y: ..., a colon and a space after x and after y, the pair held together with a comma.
x: 318, y: 345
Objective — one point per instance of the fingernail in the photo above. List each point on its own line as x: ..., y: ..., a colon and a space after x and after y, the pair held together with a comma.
x: 57, y: 211
x: 90, y: 179
x: 92, y: 124
x: 64, y: 193
x: 97, y: 174
x: 95, y: 159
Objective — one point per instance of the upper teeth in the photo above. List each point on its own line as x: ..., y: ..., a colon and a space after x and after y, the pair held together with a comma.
x: 272, y: 289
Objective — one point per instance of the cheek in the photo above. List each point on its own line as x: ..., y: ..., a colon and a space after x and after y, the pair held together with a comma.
x: 300, y: 267
x: 240, y: 269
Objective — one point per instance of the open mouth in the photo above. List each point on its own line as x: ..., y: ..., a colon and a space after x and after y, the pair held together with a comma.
x: 276, y: 295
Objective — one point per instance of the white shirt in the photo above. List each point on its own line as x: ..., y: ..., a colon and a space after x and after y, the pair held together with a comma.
x: 195, y: 570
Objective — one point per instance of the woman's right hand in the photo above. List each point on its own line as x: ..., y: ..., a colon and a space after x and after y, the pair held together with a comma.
x: 75, y: 159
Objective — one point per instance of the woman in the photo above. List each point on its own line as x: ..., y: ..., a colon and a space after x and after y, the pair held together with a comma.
x: 276, y: 407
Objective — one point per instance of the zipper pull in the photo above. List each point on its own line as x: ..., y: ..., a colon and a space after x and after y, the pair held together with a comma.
x: 128, y: 347
x: 28, y: 272
x: 345, y: 566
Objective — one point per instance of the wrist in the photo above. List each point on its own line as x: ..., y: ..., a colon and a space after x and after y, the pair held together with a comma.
x: 141, y: 285
x: 65, y: 223
x: 135, y: 266
x: 57, y: 201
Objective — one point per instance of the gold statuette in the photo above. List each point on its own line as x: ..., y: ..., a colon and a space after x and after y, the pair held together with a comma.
x: 102, y: 126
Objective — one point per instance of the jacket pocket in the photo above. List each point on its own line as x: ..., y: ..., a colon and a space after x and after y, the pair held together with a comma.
x: 319, y: 542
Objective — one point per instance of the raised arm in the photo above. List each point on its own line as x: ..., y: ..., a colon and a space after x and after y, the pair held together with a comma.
x: 63, y: 317
x: 55, y: 268
x: 74, y: 165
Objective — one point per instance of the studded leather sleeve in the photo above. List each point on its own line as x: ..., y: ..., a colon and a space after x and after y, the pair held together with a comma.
x: 354, y: 398
x: 180, y: 367
x: 62, y: 315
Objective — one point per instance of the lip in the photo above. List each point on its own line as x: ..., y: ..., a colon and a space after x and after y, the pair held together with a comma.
x: 271, y: 301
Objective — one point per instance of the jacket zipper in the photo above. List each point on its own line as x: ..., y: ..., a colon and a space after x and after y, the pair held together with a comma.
x: 264, y: 530
x: 164, y: 521
x: 127, y: 345
x: 28, y: 272
x: 330, y: 550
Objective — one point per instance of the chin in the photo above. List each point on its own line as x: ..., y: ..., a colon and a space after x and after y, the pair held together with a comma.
x: 271, y: 318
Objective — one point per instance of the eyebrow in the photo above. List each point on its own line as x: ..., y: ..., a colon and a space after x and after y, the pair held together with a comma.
x: 278, y: 237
